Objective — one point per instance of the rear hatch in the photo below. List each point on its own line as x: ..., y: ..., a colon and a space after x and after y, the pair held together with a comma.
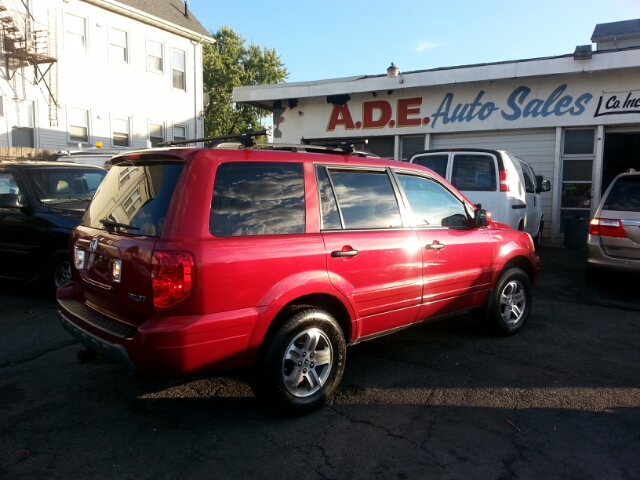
x: 114, y: 245
x: 623, y: 204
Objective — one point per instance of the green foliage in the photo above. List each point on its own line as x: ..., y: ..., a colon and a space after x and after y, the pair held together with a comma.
x: 227, y: 64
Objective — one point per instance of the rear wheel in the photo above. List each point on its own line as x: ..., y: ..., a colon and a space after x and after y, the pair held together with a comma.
x: 59, y: 271
x: 303, y: 364
x: 510, y: 303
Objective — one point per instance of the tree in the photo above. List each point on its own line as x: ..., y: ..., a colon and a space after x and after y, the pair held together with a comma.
x: 226, y: 64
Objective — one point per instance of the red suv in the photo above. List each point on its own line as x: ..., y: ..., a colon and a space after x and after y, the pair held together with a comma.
x: 275, y: 259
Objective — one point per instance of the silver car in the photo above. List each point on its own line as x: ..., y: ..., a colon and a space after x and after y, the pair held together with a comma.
x: 614, y: 232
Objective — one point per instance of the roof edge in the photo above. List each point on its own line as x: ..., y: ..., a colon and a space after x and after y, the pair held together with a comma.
x: 149, y: 19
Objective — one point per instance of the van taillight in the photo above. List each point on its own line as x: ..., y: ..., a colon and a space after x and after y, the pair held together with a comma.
x: 504, y: 184
x: 607, y: 227
x: 172, y: 277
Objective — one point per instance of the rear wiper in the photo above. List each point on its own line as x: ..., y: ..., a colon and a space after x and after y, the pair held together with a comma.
x: 110, y: 223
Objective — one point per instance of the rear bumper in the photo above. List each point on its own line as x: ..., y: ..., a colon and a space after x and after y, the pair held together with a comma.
x: 163, y: 345
x: 597, y: 258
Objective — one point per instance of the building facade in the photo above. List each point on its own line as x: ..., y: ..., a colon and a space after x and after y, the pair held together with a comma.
x: 124, y: 73
x: 575, y: 118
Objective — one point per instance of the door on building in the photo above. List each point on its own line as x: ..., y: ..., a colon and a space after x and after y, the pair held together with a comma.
x: 621, y: 152
x: 22, y: 134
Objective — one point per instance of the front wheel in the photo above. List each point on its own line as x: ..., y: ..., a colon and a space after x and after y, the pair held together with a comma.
x: 59, y: 271
x: 510, y: 302
x: 303, y: 364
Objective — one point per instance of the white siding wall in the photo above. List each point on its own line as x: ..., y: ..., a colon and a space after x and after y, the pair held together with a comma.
x: 93, y: 81
x: 535, y: 146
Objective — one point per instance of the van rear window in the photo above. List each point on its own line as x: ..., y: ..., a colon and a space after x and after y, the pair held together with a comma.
x: 134, y: 198
x: 474, y: 173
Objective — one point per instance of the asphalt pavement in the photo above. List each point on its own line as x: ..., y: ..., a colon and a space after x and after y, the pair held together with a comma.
x: 442, y: 400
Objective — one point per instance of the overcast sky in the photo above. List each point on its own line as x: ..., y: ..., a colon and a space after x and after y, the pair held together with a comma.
x: 327, y: 39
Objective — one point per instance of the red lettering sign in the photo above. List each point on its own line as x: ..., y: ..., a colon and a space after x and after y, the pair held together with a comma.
x: 383, y: 113
x: 340, y: 115
x: 406, y: 107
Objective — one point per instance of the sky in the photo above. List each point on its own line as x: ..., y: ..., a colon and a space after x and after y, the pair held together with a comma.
x: 326, y: 39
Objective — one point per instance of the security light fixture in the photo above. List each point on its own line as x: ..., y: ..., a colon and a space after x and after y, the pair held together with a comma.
x: 583, y: 52
x: 394, y: 71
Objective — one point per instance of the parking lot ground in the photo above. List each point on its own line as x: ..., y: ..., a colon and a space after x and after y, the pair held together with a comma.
x: 441, y: 400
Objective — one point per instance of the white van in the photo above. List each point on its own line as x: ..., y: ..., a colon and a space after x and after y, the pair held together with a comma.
x: 499, y: 181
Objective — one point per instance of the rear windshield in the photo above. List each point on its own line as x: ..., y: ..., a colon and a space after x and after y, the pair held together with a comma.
x: 437, y: 163
x: 134, y: 199
x: 60, y: 185
x: 624, y: 196
x: 475, y: 173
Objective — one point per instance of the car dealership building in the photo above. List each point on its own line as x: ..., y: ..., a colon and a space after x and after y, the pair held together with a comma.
x: 575, y: 118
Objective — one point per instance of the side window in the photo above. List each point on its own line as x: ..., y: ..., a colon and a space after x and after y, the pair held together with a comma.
x: 431, y: 204
x: 8, y: 184
x: 365, y: 199
x: 328, y: 206
x: 257, y: 198
x: 529, y: 184
x: 474, y: 172
x: 437, y: 163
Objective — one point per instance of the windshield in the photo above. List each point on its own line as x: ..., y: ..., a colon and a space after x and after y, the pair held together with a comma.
x: 134, y: 198
x: 60, y: 185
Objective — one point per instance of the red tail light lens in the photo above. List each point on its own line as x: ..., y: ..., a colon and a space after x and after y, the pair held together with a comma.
x: 172, y: 277
x: 607, y: 227
x: 504, y: 181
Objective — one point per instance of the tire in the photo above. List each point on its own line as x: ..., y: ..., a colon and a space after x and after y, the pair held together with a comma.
x: 288, y: 376
x: 59, y: 271
x: 537, y: 242
x: 510, y: 303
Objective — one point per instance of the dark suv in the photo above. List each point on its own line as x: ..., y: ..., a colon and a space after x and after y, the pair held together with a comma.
x: 40, y: 204
x: 195, y: 259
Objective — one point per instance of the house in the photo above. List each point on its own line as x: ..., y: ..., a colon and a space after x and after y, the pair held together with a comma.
x: 574, y: 117
x: 76, y: 73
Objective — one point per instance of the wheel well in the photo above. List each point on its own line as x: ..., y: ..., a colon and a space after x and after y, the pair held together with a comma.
x: 322, y: 301
x: 522, y: 263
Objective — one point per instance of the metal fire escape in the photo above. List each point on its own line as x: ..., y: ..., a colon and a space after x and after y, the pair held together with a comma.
x: 27, y: 43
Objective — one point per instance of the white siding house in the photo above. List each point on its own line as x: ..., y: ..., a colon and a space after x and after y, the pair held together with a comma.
x: 125, y: 73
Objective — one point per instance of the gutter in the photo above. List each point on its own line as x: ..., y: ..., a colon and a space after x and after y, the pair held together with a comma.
x: 144, y: 17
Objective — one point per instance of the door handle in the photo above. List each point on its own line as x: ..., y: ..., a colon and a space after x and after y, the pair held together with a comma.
x: 342, y: 253
x: 434, y: 246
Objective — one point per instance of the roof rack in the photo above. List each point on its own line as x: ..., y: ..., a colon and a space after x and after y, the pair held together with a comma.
x: 245, y: 139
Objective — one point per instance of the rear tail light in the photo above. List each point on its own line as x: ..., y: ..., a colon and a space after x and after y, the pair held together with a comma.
x: 504, y: 181
x: 607, y: 227
x: 172, y: 277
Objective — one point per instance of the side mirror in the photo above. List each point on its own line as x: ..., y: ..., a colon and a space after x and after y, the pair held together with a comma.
x: 10, y: 200
x: 481, y: 218
x: 542, y: 185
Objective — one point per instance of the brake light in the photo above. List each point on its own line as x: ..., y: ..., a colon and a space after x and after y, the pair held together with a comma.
x: 504, y: 184
x: 607, y: 227
x: 172, y: 277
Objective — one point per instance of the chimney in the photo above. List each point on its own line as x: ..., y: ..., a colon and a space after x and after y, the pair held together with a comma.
x: 186, y: 8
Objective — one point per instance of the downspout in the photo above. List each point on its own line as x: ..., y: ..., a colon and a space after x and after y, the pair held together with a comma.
x: 196, y: 94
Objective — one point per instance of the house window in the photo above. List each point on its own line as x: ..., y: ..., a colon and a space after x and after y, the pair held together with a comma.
x: 118, y: 51
x: 78, y: 121
x: 156, y: 134
x: 155, y: 56
x: 178, y: 69
x: 22, y: 133
x: 74, y: 33
x: 179, y: 132
x: 120, y: 132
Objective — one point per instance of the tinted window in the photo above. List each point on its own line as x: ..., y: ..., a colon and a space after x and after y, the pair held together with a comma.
x: 57, y: 185
x: 473, y: 172
x: 136, y: 196
x: 624, y: 195
x: 366, y: 199
x: 432, y: 204
x: 529, y: 186
x: 437, y: 163
x: 256, y: 198
x: 328, y: 206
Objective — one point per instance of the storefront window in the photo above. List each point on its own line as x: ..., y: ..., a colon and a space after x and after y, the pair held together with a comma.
x: 577, y: 166
x: 411, y: 145
x: 577, y: 142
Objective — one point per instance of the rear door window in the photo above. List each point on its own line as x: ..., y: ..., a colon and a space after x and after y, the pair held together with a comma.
x: 437, y: 163
x: 134, y: 198
x: 258, y: 198
x: 364, y: 199
x: 474, y: 172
